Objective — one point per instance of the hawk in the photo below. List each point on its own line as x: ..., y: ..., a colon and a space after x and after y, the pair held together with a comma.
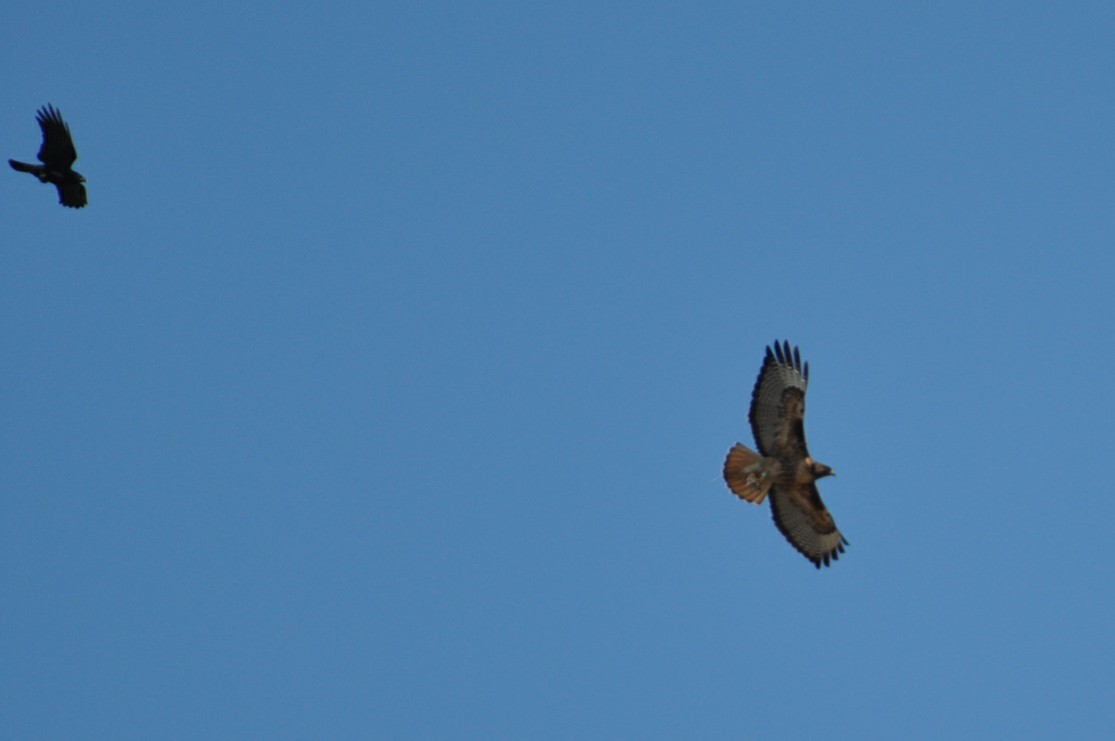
x: 783, y: 468
x: 57, y: 155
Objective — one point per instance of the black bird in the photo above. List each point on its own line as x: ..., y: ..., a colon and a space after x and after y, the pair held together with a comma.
x: 57, y: 155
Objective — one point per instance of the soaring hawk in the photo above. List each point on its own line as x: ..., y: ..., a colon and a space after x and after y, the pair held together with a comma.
x: 782, y: 467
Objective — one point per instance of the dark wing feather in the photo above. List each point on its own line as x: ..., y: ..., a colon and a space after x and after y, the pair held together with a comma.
x: 801, y: 516
x: 778, y: 402
x: 57, y: 151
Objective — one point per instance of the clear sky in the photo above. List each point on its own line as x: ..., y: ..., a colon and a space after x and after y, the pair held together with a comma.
x: 383, y: 387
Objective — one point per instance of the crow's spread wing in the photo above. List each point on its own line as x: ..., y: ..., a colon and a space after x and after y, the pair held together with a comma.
x: 58, y: 150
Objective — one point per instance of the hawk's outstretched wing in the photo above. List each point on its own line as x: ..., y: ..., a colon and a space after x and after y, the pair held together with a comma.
x: 778, y: 402
x: 801, y: 516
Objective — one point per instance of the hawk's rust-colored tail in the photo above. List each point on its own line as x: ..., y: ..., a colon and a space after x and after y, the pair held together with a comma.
x: 747, y: 474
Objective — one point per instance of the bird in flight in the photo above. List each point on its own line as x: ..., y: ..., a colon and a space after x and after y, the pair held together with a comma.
x: 783, y: 468
x: 57, y: 155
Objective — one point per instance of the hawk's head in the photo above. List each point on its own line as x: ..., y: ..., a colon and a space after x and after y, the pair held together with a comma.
x: 819, y: 470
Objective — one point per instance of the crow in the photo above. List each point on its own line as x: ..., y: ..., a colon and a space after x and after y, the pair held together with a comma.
x: 57, y: 155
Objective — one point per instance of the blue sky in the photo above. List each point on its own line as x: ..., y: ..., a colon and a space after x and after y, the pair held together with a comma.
x: 383, y: 387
